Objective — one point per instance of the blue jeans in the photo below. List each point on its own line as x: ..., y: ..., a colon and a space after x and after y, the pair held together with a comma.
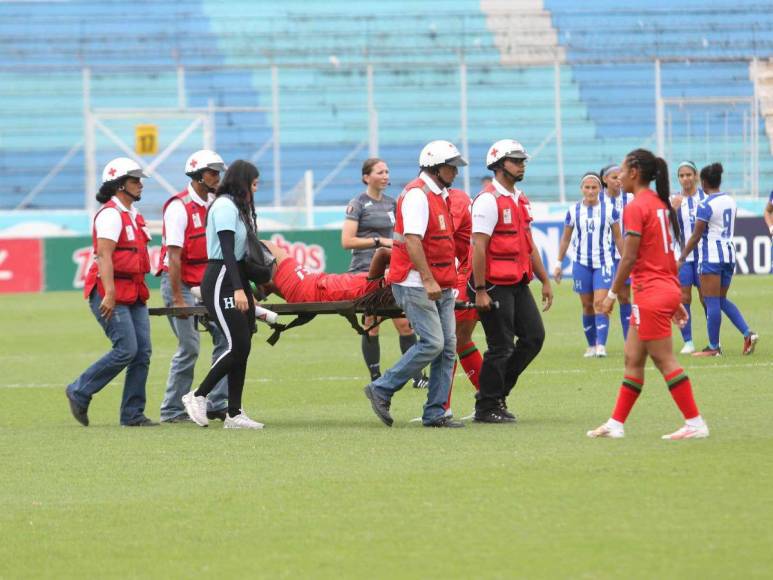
x: 435, y: 324
x: 129, y: 331
x: 180, y: 378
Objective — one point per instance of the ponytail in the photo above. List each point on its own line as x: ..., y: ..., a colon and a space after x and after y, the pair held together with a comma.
x: 655, y: 168
x: 107, y: 190
x: 663, y: 188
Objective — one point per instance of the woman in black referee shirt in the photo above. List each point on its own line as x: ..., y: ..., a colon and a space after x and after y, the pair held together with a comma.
x: 370, y: 220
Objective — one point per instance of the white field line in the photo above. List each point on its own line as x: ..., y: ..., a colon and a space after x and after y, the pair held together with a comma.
x: 574, y: 371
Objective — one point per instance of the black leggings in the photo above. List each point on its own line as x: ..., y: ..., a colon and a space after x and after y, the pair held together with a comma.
x: 218, y: 295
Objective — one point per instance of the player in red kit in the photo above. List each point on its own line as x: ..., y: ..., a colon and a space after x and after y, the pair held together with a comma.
x: 296, y: 284
x: 466, y: 351
x: 648, y: 257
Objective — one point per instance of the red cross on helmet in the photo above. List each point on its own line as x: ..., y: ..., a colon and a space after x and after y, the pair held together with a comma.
x: 121, y: 167
x: 505, y: 148
x: 441, y: 153
x: 204, y: 159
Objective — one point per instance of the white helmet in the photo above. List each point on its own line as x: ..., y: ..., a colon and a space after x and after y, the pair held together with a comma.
x: 121, y: 167
x: 204, y: 159
x: 505, y: 148
x: 439, y: 153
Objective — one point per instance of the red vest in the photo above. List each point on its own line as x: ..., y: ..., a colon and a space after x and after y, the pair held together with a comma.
x: 193, y: 258
x: 459, y: 203
x: 130, y: 260
x: 438, y: 241
x: 508, y: 258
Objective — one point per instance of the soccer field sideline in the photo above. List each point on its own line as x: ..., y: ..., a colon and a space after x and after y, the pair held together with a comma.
x: 327, y: 491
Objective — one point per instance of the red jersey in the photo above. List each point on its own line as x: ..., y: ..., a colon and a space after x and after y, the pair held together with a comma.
x: 459, y: 203
x: 296, y: 284
x: 655, y: 266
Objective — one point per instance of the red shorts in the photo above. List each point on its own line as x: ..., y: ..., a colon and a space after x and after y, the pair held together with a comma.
x: 463, y: 296
x: 296, y: 284
x: 652, y: 315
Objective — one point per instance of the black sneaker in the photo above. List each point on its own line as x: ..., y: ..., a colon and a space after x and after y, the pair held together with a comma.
x: 183, y: 418
x: 447, y: 422
x: 380, y: 406
x: 490, y: 416
x: 503, y: 410
x: 421, y: 382
x: 81, y: 414
x: 219, y: 415
x: 144, y: 422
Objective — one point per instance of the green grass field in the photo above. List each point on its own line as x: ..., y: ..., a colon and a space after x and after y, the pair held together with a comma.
x: 327, y: 491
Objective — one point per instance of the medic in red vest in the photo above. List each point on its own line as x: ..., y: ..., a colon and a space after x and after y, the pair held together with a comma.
x: 120, y: 264
x: 504, y: 260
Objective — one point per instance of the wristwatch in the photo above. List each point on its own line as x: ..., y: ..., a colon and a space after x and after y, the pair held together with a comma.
x: 376, y: 241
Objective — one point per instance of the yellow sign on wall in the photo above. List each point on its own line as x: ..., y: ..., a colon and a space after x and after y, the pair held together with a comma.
x: 146, y: 139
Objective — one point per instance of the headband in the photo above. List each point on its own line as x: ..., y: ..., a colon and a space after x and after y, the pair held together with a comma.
x: 689, y: 164
x: 609, y: 169
x: 592, y: 176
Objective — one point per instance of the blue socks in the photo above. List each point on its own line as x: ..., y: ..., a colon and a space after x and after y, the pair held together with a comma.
x: 734, y: 315
x: 625, y: 318
x: 713, y: 319
x: 589, y: 327
x: 687, y: 330
x: 602, y: 329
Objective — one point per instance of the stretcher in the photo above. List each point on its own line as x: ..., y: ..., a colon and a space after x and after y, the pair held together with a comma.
x: 379, y: 304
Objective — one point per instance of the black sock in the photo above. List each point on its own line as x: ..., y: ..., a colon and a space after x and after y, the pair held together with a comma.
x: 406, y: 342
x: 371, y: 352
x: 233, y: 411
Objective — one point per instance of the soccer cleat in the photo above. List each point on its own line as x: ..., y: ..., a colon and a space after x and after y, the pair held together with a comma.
x: 445, y: 422
x: 749, y: 342
x: 688, y: 432
x: 81, y: 414
x: 688, y: 348
x: 220, y: 415
x: 590, y: 352
x: 196, y: 407
x: 241, y: 421
x: 601, y: 351
x: 144, y: 422
x: 708, y: 351
x: 380, y: 406
x: 504, y: 411
x: 421, y: 382
x: 606, y: 432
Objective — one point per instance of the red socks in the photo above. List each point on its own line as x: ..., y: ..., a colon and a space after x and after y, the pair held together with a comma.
x: 629, y: 392
x: 471, y: 360
x: 681, y: 391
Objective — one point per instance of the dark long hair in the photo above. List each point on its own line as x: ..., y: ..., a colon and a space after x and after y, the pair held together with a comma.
x: 651, y: 167
x: 109, y: 188
x: 237, y: 182
x: 712, y: 175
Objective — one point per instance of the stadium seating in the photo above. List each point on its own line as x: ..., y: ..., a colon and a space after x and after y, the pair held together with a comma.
x: 322, y: 50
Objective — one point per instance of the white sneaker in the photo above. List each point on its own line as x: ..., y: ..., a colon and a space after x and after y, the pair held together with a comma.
x: 470, y: 416
x: 688, y: 348
x: 241, y: 421
x: 605, y: 431
x: 196, y: 407
x: 601, y: 351
x: 590, y: 352
x: 688, y: 432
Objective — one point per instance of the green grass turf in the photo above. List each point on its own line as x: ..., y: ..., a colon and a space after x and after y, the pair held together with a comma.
x: 327, y: 491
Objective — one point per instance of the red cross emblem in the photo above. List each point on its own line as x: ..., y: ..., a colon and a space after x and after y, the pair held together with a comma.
x: 193, y: 163
x: 112, y: 172
x: 493, y: 152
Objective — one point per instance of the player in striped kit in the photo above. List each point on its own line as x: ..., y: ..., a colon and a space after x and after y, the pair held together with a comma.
x: 685, y: 203
x: 591, y: 225
x: 610, y: 180
x: 713, y: 234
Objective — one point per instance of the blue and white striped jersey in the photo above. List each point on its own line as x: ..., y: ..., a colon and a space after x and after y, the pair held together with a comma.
x: 592, y: 235
x: 619, y: 202
x: 716, y: 246
x: 685, y: 215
